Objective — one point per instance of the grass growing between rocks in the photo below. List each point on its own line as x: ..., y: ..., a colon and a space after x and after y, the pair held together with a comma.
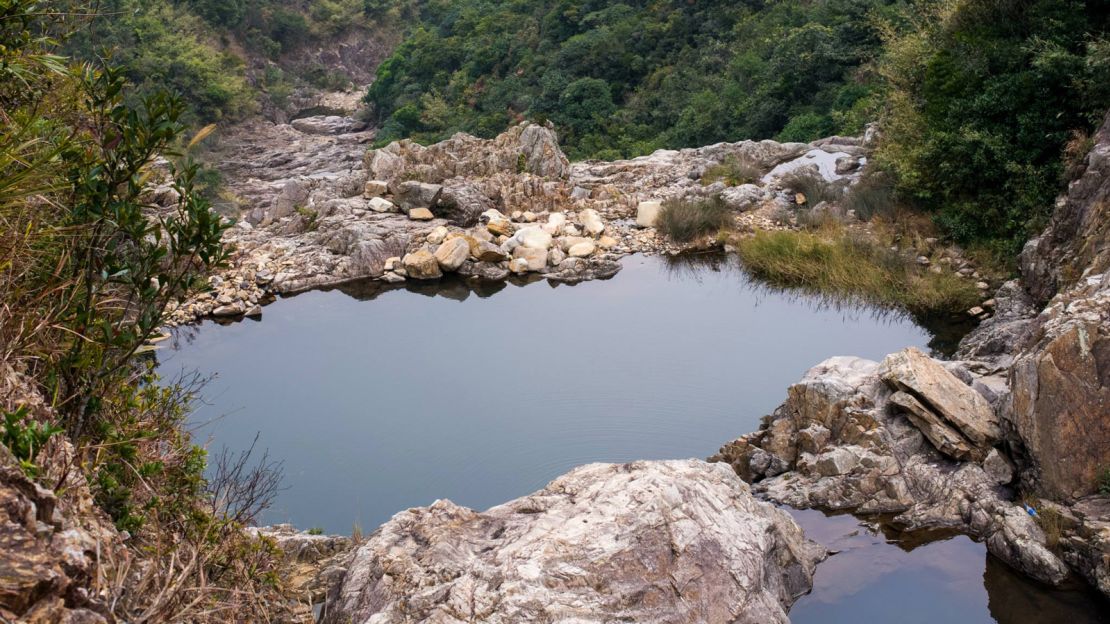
x: 683, y: 220
x: 837, y: 262
x: 733, y: 171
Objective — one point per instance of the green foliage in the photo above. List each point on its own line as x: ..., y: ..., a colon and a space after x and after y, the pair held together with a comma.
x: 119, y: 251
x: 25, y: 437
x: 983, y: 95
x: 872, y: 196
x: 684, y: 220
x: 315, y: 531
x: 833, y: 262
x: 1104, y: 481
x: 733, y: 171
x: 814, y: 187
x: 201, y: 49
x: 629, y: 77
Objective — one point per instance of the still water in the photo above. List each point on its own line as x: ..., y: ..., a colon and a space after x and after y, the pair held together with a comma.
x: 380, y: 399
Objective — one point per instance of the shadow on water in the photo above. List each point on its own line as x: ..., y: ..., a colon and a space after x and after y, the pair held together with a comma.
x: 946, y: 330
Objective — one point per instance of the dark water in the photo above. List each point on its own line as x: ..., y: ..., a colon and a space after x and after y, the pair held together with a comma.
x: 377, y: 400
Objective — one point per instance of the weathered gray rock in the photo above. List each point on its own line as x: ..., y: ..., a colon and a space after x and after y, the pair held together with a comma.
x: 837, y: 444
x: 328, y: 124
x: 673, y: 541
x: 413, y: 194
x: 940, y: 392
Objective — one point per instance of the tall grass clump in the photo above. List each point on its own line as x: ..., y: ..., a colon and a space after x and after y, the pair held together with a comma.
x: 871, y: 197
x: 840, y: 264
x: 684, y: 220
x: 815, y: 188
x: 733, y: 171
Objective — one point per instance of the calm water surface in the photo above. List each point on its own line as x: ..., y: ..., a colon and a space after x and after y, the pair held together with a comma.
x: 377, y: 400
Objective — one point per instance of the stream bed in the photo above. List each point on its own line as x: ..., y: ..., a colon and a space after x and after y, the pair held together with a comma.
x: 378, y: 399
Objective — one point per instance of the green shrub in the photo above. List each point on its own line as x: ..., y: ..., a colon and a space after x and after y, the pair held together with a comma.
x: 872, y: 196
x: 25, y: 438
x: 733, y: 171
x: 684, y: 220
x: 983, y: 96
x: 1104, y: 481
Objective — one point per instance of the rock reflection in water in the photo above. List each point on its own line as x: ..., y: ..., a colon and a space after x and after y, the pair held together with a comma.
x: 879, y: 574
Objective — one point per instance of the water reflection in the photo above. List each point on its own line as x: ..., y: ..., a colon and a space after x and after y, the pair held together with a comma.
x: 879, y: 574
x: 457, y: 394
x: 945, y: 330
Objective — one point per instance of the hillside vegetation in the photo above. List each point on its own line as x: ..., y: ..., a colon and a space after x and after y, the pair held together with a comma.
x: 624, y: 78
x: 979, y: 99
x: 225, y: 57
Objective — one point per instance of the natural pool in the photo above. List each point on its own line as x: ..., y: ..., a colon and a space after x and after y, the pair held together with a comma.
x: 381, y: 399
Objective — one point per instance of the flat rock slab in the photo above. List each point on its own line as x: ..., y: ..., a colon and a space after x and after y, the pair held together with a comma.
x: 943, y: 394
x: 666, y: 541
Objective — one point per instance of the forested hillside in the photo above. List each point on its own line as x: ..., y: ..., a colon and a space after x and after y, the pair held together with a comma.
x: 227, y: 58
x: 624, y: 78
x: 978, y: 98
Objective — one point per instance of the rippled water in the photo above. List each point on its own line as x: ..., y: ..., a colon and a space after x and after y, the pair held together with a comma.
x: 380, y: 399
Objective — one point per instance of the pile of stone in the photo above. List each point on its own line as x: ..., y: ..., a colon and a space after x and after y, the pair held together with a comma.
x: 557, y: 245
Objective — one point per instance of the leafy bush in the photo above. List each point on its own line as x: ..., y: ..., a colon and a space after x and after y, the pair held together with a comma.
x: 25, y: 438
x: 982, y: 97
x: 871, y: 196
x: 684, y: 220
x: 1104, y: 481
x: 733, y: 171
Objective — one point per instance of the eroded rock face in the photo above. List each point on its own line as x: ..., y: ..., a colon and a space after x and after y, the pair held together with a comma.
x: 673, y: 541
x: 52, y: 545
x: 1055, y: 415
x: 838, y: 443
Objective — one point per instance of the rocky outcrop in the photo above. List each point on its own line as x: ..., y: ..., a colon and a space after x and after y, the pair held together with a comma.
x: 52, y: 545
x: 1076, y: 243
x: 316, y: 209
x: 842, y: 441
x: 674, y: 541
x: 955, y: 418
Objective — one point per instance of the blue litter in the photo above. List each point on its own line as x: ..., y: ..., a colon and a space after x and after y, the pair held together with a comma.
x: 1029, y: 510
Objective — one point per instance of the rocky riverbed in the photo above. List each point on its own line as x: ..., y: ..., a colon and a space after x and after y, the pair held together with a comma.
x: 313, y: 207
x: 1005, y: 444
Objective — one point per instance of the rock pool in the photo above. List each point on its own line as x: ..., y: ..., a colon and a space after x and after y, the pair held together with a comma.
x: 381, y: 399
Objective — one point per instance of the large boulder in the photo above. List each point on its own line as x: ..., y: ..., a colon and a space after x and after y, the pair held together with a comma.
x: 947, y: 407
x: 452, y: 254
x: 422, y: 265
x: 525, y: 148
x: 669, y: 541
x: 838, y: 443
x: 412, y: 194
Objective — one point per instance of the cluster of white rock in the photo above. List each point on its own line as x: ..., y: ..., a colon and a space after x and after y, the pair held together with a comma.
x: 501, y: 245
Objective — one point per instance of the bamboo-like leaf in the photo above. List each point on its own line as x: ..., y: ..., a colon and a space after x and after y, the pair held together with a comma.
x: 201, y: 135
